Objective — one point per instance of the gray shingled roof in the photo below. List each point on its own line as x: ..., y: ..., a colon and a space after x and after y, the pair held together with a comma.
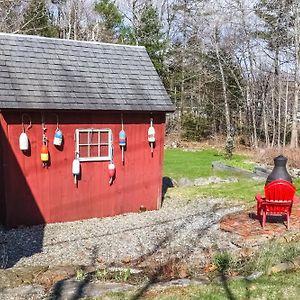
x: 44, y: 73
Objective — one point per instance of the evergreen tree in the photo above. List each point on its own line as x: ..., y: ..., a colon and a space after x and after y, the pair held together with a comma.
x: 149, y: 34
x: 278, y: 19
x: 111, y: 18
x: 36, y: 20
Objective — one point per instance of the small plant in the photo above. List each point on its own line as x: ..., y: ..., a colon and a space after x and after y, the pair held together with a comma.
x: 229, y: 147
x: 122, y: 275
x: 80, y: 275
x: 101, y: 274
x: 223, y: 261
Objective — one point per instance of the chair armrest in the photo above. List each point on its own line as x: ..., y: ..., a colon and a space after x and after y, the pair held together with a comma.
x: 259, y: 198
x: 296, y: 199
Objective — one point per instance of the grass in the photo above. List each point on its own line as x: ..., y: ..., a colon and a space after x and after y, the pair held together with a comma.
x: 279, y: 286
x: 273, y: 253
x: 194, y: 164
x: 243, y: 190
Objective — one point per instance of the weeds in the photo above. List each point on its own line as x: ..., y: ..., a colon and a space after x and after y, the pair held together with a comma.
x: 223, y: 261
x: 271, y: 254
x: 80, y: 275
x: 102, y: 274
x: 122, y: 275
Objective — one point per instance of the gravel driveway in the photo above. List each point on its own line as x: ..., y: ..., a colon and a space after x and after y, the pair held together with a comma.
x: 180, y: 229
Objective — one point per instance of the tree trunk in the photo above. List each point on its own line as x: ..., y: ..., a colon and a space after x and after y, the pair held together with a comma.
x: 285, y: 112
x: 224, y: 89
x: 294, y: 136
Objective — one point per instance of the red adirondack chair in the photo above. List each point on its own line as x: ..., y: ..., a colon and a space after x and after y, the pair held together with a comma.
x: 278, y: 200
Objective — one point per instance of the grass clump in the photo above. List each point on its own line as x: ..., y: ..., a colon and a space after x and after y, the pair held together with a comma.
x: 80, y: 274
x: 223, y: 261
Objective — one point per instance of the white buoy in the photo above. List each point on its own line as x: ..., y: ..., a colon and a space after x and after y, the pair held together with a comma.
x: 76, y: 169
x: 23, y: 142
x: 151, y: 135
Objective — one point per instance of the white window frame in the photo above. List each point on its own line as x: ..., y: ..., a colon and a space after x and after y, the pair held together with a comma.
x: 109, y: 144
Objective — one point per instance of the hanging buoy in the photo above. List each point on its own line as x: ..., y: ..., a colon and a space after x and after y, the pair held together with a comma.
x: 23, y: 139
x: 76, y: 168
x: 44, y: 149
x: 122, y: 142
x: 44, y: 154
x: 23, y: 142
x: 111, y: 172
x: 58, y: 137
x: 151, y: 135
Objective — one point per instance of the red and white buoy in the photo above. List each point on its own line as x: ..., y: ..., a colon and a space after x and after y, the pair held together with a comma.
x: 111, y: 172
x: 151, y: 135
x: 76, y: 168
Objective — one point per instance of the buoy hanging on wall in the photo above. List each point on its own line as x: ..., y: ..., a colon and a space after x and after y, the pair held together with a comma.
x: 44, y: 149
x: 111, y: 172
x: 23, y: 142
x: 122, y: 139
x: 76, y: 168
x: 44, y: 154
x: 23, y: 139
x: 58, y: 136
x: 151, y: 135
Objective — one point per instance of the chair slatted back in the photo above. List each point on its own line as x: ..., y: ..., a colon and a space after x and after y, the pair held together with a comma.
x: 279, y: 196
x: 280, y: 190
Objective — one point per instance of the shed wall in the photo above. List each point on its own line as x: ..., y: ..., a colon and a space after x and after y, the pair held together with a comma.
x: 31, y: 194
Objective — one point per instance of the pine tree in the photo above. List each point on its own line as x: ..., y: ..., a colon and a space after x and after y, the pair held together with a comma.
x: 36, y: 20
x: 149, y: 34
x: 111, y: 19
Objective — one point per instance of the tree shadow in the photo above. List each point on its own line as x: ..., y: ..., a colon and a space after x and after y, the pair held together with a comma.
x: 226, y: 287
x: 58, y: 289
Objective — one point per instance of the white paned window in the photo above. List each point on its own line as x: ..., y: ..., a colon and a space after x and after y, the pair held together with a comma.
x: 94, y: 144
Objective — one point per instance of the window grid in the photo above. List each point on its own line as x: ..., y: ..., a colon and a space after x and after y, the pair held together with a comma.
x: 90, y: 143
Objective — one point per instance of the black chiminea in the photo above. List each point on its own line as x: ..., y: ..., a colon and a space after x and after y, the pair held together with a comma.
x: 279, y: 171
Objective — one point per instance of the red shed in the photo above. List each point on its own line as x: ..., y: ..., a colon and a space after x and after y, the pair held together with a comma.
x: 87, y: 91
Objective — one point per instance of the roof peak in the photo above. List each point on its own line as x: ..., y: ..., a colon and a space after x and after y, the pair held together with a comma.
x: 66, y: 40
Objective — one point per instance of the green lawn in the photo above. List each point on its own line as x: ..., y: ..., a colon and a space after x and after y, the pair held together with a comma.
x: 194, y: 164
x: 179, y: 163
x: 243, y: 190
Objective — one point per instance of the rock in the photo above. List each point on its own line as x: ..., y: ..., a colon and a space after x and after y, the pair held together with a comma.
x: 261, y: 172
x: 25, y: 292
x: 201, y: 181
x: 213, y: 180
x: 220, y: 166
x: 179, y: 283
x: 53, y: 275
x: 185, y: 182
x: 254, y: 276
x: 73, y: 289
x: 120, y: 269
x: 126, y: 260
x: 281, y: 267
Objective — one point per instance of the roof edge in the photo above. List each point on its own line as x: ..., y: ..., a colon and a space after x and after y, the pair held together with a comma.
x: 68, y: 40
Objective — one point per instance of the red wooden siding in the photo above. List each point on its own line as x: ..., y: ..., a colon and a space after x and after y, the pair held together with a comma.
x: 31, y: 194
